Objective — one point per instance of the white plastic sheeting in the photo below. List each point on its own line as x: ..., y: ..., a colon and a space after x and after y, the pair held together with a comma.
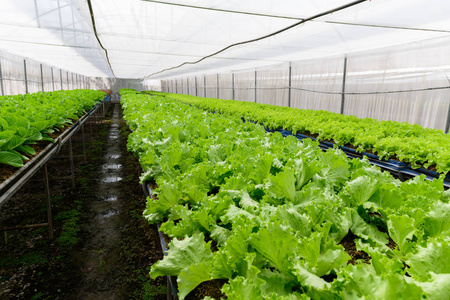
x: 54, y: 32
x: 20, y: 76
x: 145, y: 37
x: 391, y: 46
x: 402, y: 83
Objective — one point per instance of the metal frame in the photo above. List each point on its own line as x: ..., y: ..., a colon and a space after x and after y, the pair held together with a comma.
x: 196, y: 87
x: 172, y: 289
x: 1, y: 79
x: 232, y: 86
x: 26, y: 77
x: 218, y: 86
x: 256, y: 89
x: 290, y: 84
x: 344, y: 77
x: 42, y: 78
x: 204, y: 84
x: 60, y: 76
x: 447, y: 123
x: 11, y: 185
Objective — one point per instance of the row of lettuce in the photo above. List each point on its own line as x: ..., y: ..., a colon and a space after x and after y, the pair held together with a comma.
x: 27, y: 119
x: 412, y: 144
x: 268, y: 215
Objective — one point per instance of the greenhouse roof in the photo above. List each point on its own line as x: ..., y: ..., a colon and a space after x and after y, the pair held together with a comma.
x: 142, y: 39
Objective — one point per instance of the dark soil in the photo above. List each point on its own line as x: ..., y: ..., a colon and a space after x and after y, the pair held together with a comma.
x: 102, y: 248
x: 208, y: 288
x: 348, y: 242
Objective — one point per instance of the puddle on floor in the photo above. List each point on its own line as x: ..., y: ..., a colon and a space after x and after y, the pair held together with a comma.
x: 109, y: 199
x: 112, y: 156
x: 111, y: 166
x: 109, y: 179
x: 108, y: 213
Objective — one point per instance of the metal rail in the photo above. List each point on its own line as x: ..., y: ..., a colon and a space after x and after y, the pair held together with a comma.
x: 172, y: 289
x: 11, y: 185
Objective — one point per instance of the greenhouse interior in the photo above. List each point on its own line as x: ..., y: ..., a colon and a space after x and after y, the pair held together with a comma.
x: 210, y: 149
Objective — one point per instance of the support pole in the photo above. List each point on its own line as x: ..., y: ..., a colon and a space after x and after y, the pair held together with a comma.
x: 60, y: 78
x: 255, y: 87
x: 290, y: 84
x: 48, y: 203
x: 84, y: 143
x: 344, y: 76
x: 67, y: 77
x: 232, y: 85
x: 26, y: 77
x: 217, y: 86
x: 447, y: 124
x: 188, y: 86
x: 72, y: 169
x: 176, y: 86
x: 204, y: 83
x: 53, y: 80
x: 196, y: 92
x: 1, y: 80
x: 42, y: 78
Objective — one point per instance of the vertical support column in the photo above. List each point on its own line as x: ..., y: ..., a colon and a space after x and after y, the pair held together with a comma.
x: 67, y: 76
x: 289, y: 84
x: 204, y: 84
x: 48, y: 203
x: 53, y: 80
x: 42, y: 79
x: 26, y: 76
x: 1, y: 80
x: 84, y: 143
x: 196, y: 92
x: 344, y: 76
x: 72, y: 169
x: 188, y: 86
x: 176, y: 86
x: 60, y: 78
x: 232, y: 85
x: 217, y: 86
x: 255, y: 86
x: 447, y: 124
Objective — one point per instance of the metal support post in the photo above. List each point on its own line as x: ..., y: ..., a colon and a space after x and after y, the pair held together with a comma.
x: 42, y: 78
x: 447, y: 124
x: 53, y: 80
x: 176, y: 86
x: 72, y: 169
x: 48, y: 203
x: 84, y: 143
x: 104, y: 111
x: 255, y: 86
x: 217, y: 86
x: 26, y: 77
x: 290, y: 84
x: 60, y: 78
x: 196, y: 92
x: 1, y: 80
x: 67, y: 77
x: 344, y: 76
x: 204, y: 84
x: 232, y: 85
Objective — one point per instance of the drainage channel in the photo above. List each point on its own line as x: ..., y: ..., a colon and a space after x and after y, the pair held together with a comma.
x: 99, y: 258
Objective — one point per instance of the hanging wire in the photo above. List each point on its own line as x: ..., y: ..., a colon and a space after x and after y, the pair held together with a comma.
x: 91, y: 12
x: 262, y: 37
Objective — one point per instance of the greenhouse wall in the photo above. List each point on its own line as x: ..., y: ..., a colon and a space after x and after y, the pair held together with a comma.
x: 404, y: 83
x: 19, y: 75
